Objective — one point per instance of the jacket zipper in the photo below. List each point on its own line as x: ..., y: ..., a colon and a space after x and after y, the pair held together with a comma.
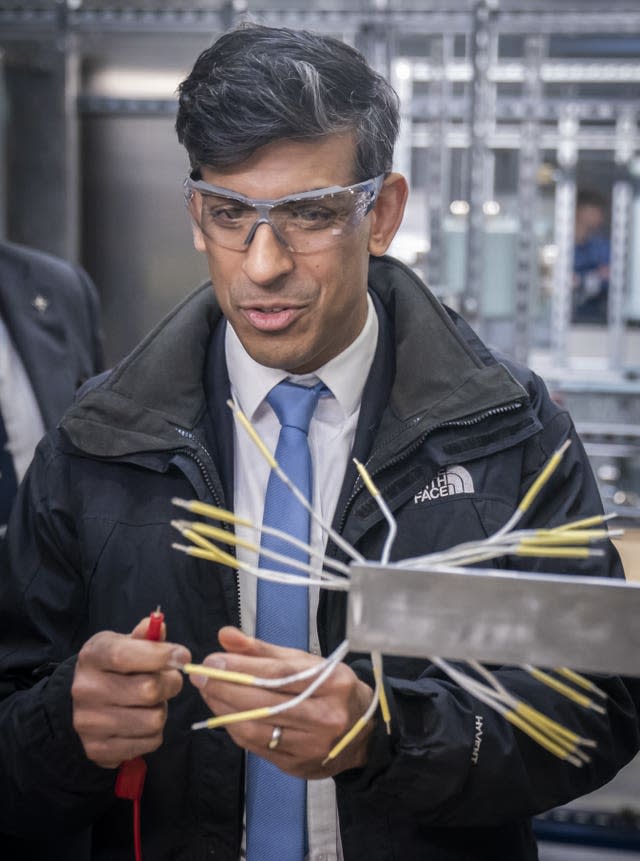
x: 193, y: 455
x: 507, y: 408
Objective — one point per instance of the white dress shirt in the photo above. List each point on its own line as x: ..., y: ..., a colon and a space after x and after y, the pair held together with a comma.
x: 20, y: 411
x: 331, y: 435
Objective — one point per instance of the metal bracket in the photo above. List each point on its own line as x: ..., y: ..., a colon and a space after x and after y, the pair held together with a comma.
x: 496, y: 617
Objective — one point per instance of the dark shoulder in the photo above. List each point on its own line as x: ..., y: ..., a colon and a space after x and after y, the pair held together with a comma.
x: 44, y: 268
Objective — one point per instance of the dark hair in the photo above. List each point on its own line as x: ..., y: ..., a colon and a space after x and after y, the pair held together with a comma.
x: 591, y: 197
x: 256, y: 85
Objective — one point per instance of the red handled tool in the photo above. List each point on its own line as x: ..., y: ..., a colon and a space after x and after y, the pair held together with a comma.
x: 132, y: 772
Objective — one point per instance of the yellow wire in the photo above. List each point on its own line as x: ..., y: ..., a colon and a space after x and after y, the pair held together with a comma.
x: 382, y: 694
x: 221, y: 675
x: 235, y: 540
x: 357, y: 728
x: 559, y: 552
x: 534, y: 716
x: 190, y: 550
x: 587, y: 684
x: 536, y: 725
x: 221, y: 535
x: 236, y: 717
x: 548, y: 733
x: 551, y: 727
x: 215, y: 555
x: 376, y: 658
x: 226, y: 558
x: 573, y: 536
x: 563, y: 689
x: 210, y: 511
x: 359, y: 725
x: 595, y: 520
x: 244, y: 421
x: 537, y: 736
x: 366, y: 478
x: 544, y: 476
x: 200, y: 541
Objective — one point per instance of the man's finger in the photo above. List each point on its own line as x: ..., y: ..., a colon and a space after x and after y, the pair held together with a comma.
x: 234, y: 642
x: 121, y: 653
x: 121, y: 723
x: 111, y: 752
x: 139, y: 689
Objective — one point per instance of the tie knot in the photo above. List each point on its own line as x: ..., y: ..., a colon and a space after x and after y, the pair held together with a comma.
x: 293, y: 404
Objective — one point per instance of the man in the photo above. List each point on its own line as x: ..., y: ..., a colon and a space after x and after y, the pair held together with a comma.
x: 290, y: 139
x: 50, y: 343
x: 591, y: 258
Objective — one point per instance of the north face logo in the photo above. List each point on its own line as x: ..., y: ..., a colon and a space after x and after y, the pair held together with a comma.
x: 448, y: 482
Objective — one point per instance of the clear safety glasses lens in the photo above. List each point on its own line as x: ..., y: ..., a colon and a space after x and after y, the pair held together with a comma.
x: 307, y: 222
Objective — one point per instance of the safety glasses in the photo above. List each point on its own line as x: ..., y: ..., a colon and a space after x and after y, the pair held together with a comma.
x: 303, y: 223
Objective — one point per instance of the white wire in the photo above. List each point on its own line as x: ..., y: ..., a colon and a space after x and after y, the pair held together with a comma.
x: 269, y: 530
x: 302, y: 499
x: 182, y: 525
x: 292, y: 703
x: 339, y: 585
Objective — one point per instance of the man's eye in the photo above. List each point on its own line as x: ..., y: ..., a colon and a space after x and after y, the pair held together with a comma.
x: 227, y: 214
x: 312, y: 216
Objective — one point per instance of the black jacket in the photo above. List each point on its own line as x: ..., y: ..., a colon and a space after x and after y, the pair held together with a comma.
x: 92, y: 550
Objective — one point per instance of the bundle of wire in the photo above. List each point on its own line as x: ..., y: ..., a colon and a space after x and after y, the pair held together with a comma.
x: 572, y: 540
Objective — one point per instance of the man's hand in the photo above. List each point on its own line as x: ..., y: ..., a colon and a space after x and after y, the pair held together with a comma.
x: 120, y: 691
x: 309, y: 730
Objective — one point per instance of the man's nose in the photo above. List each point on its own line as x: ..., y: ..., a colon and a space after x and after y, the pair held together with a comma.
x: 266, y: 259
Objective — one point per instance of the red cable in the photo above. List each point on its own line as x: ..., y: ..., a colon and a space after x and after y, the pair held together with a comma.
x: 154, y: 630
x: 137, y: 840
x: 132, y: 772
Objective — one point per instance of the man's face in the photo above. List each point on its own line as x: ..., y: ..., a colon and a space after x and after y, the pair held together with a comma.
x: 589, y: 222
x: 291, y: 310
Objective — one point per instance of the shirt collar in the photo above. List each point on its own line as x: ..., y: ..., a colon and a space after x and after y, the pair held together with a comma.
x: 345, y: 375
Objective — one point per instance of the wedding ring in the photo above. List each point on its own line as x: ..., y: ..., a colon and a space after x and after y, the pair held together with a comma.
x: 274, y: 741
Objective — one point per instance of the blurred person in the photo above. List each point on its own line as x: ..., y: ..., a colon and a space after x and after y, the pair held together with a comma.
x: 294, y: 203
x: 591, y: 259
x: 50, y: 343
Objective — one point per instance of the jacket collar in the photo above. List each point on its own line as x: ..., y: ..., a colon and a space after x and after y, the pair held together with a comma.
x: 158, y: 388
x: 443, y: 371
x: 440, y: 375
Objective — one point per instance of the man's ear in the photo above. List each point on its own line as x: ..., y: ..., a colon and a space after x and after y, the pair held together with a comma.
x: 198, y: 238
x: 388, y: 213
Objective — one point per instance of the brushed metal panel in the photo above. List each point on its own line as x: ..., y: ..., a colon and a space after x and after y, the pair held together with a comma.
x: 590, y: 624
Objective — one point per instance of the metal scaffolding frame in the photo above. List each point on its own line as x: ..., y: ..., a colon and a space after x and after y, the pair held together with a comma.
x: 34, y: 18
x: 481, y: 122
x: 528, y: 165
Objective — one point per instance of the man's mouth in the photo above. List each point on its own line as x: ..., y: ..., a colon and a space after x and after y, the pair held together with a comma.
x: 271, y: 319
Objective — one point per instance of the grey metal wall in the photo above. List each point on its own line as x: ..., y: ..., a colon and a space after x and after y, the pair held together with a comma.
x: 135, y: 232
x: 73, y: 140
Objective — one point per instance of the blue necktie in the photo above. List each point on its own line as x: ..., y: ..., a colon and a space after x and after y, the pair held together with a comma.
x: 276, y: 802
x: 8, y: 482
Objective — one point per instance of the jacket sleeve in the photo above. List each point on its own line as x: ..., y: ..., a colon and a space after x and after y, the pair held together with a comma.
x: 453, y: 760
x: 47, y: 784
